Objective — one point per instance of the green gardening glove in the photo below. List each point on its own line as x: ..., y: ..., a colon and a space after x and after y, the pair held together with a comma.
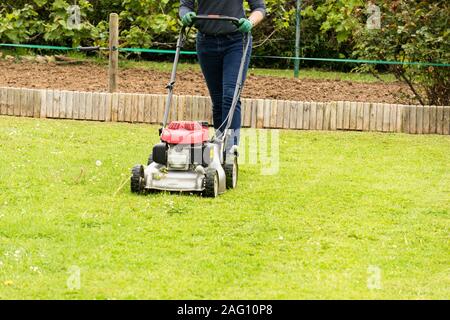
x: 187, y: 19
x: 245, y: 25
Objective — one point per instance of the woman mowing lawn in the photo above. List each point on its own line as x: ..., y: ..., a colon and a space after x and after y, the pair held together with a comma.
x: 220, y: 49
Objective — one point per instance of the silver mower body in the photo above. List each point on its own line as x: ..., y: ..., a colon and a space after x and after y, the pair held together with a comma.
x: 183, y: 177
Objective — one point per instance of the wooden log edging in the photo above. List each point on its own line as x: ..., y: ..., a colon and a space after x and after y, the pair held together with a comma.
x: 256, y: 113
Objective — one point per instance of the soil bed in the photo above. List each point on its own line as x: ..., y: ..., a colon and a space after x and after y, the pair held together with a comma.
x: 93, y: 77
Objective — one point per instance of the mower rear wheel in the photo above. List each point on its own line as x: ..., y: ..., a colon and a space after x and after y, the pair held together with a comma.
x: 150, y: 159
x: 137, y: 179
x: 232, y: 173
x: 211, y: 184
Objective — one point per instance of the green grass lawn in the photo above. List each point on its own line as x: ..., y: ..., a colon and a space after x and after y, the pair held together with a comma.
x: 342, y: 204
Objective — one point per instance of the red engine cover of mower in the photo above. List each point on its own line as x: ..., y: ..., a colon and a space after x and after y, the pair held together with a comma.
x: 185, y: 132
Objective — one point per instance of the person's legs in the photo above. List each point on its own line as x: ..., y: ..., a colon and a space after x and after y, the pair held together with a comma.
x: 232, y: 62
x: 211, y: 63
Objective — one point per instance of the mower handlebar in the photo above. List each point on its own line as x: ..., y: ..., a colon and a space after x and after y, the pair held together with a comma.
x: 213, y: 17
x: 86, y: 49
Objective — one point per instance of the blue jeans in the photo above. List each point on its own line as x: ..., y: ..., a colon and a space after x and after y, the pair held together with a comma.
x: 220, y: 58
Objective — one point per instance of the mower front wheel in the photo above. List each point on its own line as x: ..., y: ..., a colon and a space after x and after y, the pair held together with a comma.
x: 211, y: 184
x: 137, y: 179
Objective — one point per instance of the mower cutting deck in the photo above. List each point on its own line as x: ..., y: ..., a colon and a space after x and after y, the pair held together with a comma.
x: 186, y: 159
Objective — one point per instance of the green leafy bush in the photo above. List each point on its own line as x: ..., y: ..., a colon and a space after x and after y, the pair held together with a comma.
x: 19, y: 25
x: 412, y: 30
x: 44, y: 21
x: 146, y: 23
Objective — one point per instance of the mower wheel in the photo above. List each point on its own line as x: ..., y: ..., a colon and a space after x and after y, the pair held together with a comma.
x: 137, y: 179
x: 211, y: 184
x: 150, y: 159
x: 232, y: 173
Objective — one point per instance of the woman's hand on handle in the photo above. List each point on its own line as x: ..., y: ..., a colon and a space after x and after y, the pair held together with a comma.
x: 188, y: 19
x: 246, y: 25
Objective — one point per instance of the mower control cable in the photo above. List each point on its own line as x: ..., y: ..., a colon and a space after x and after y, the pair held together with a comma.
x: 180, y: 44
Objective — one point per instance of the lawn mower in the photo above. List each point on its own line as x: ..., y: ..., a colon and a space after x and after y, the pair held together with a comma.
x: 186, y: 159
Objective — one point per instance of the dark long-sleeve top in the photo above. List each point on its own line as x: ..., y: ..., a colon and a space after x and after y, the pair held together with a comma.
x: 231, y: 8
